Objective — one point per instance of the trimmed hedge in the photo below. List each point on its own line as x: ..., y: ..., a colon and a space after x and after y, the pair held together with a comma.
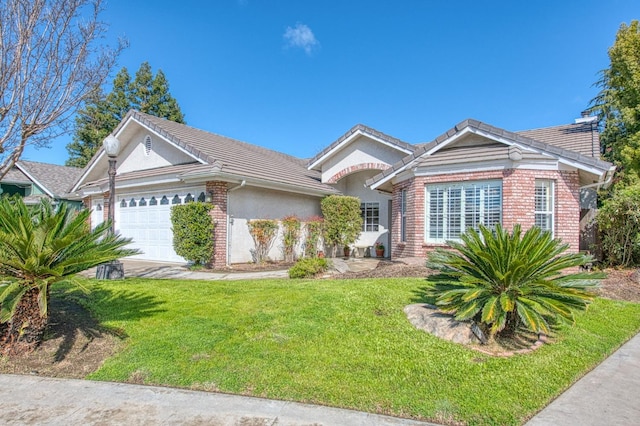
x: 193, y: 232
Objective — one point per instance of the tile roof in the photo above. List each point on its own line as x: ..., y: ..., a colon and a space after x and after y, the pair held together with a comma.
x: 579, y: 137
x: 234, y: 157
x: 497, y: 132
x: 368, y: 131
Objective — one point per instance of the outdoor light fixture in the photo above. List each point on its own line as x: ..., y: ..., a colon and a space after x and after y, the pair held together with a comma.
x: 114, y: 269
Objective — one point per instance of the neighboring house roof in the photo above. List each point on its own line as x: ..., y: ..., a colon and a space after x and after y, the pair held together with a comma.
x: 15, y: 176
x: 573, y: 158
x: 360, y: 129
x: 217, y: 156
x: 579, y: 137
x: 53, y: 180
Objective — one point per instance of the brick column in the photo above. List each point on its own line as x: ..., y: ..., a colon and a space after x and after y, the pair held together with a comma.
x: 219, y: 217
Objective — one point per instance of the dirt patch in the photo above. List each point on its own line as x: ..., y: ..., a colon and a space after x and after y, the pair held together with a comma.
x: 390, y: 269
x: 75, y: 345
x: 620, y: 284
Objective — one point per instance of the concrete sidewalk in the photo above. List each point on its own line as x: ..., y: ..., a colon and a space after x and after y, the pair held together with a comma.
x: 32, y: 400
x: 608, y: 395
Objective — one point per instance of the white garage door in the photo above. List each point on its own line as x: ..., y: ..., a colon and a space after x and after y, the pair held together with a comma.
x: 146, y: 218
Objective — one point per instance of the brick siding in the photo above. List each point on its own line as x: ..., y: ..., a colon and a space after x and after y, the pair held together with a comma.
x: 219, y: 217
x: 355, y: 168
x: 518, y: 205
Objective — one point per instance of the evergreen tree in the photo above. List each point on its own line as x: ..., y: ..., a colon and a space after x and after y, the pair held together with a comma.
x: 146, y: 93
x: 618, y: 103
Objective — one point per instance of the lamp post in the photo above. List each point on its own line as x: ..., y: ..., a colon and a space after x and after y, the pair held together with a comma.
x: 113, y: 269
x: 111, y: 146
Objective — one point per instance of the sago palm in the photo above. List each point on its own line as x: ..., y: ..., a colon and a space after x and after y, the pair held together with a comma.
x: 41, y: 246
x: 506, y: 280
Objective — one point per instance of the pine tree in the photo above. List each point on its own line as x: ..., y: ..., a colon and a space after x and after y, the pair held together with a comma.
x: 146, y: 93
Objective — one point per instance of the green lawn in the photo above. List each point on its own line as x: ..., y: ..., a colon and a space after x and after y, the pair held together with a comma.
x: 344, y: 343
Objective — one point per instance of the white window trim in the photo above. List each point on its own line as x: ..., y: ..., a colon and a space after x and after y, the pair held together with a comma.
x: 462, y: 186
x: 550, y: 184
x: 403, y: 215
x: 365, y: 205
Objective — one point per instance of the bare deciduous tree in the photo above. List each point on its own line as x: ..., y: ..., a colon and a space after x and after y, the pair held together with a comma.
x: 51, y: 61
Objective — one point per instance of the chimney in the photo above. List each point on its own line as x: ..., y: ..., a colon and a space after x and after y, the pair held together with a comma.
x: 586, y: 118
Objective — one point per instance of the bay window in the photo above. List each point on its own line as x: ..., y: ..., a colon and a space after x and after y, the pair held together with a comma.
x: 544, y: 204
x: 452, y: 208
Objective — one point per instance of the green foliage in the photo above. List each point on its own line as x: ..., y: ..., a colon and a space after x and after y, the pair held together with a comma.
x: 193, y: 232
x: 506, y: 281
x: 315, y: 229
x: 342, y: 220
x: 619, y: 224
x: 41, y: 246
x: 290, y: 236
x: 618, y: 103
x: 308, y: 267
x: 263, y: 232
x: 103, y: 113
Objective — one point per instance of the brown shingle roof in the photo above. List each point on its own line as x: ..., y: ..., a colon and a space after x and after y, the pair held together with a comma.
x: 234, y: 157
x: 580, y: 137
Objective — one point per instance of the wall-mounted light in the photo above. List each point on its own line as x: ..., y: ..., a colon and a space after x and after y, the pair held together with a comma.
x: 209, y: 197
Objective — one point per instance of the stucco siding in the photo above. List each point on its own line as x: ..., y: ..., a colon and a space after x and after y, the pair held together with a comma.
x: 249, y: 203
x: 134, y: 155
x: 360, y: 151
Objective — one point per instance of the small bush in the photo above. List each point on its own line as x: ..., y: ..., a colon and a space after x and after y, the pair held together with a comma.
x: 314, y: 229
x: 263, y: 232
x: 193, y: 232
x: 290, y: 236
x: 308, y: 267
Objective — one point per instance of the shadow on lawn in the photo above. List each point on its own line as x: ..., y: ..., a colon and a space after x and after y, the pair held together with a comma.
x: 86, y: 313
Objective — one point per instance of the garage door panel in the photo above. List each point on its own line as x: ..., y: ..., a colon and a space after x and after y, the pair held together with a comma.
x: 148, y: 222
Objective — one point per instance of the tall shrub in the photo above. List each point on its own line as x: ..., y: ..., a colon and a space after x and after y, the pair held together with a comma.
x: 619, y: 224
x: 342, y: 219
x: 314, y: 228
x: 290, y: 236
x: 192, y: 228
x: 263, y: 232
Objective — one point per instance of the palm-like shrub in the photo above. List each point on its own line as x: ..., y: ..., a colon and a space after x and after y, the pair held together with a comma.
x: 506, y: 281
x: 41, y: 246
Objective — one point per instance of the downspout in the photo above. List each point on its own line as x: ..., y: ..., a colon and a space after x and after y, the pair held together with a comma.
x: 230, y: 220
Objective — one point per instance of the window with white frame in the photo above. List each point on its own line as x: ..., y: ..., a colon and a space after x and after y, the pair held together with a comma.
x: 403, y: 215
x: 370, y: 213
x: 452, y: 208
x: 544, y: 204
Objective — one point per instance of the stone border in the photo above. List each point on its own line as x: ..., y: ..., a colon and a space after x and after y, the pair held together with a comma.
x: 446, y: 327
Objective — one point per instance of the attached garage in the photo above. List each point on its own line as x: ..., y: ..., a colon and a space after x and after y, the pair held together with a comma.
x: 146, y: 218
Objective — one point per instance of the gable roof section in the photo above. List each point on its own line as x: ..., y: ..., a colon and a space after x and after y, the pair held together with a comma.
x: 510, y: 138
x: 581, y: 137
x: 53, y: 179
x: 225, y: 158
x: 359, y: 129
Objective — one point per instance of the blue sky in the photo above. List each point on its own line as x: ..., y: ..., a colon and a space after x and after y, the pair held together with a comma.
x: 293, y: 76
